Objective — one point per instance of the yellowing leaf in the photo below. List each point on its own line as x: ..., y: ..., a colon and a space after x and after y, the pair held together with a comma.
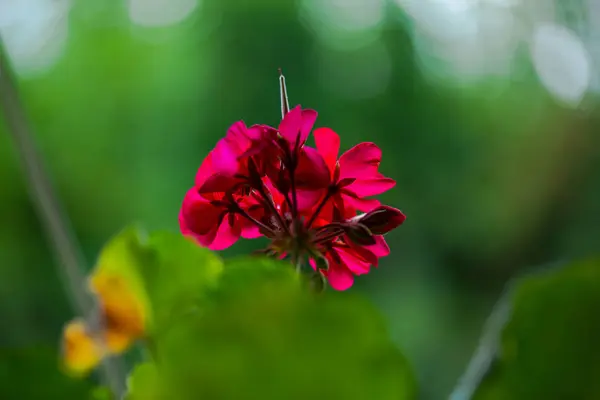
x: 119, y: 285
x: 142, y: 284
x: 123, y: 312
x: 81, y: 351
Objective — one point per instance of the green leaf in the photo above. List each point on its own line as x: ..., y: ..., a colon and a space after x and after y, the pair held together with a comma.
x: 144, y: 383
x: 265, y: 335
x: 167, y: 272
x: 550, y: 348
x: 101, y: 393
x: 178, y: 276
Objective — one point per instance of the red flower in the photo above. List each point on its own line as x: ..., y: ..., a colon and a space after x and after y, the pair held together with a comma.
x: 213, y: 218
x: 266, y: 181
x: 353, y: 177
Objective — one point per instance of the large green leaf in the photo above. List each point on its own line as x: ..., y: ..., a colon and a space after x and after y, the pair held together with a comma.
x: 177, y: 276
x: 166, y: 272
x: 144, y: 383
x: 264, y: 335
x: 550, y: 348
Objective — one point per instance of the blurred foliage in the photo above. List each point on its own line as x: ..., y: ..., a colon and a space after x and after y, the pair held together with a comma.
x: 39, y: 365
x: 258, y: 332
x: 550, y: 347
x: 494, y: 177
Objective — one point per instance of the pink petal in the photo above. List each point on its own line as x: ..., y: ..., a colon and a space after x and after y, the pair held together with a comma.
x: 237, y: 135
x: 339, y: 277
x: 361, y: 161
x: 297, y: 122
x: 309, y: 117
x: 312, y: 172
x: 363, y: 253
x: 225, y: 158
x: 205, y: 170
x: 226, y: 235
x: 290, y: 124
x: 370, y: 187
x: 198, y: 216
x: 354, y: 263
x: 326, y: 214
x: 364, y: 205
x: 250, y: 231
x: 328, y: 145
x: 380, y: 248
x: 308, y: 199
x: 218, y: 183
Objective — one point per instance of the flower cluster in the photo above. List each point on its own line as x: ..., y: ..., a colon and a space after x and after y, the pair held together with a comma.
x: 265, y: 181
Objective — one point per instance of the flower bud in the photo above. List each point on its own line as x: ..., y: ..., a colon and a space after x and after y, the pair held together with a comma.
x: 381, y: 220
x: 359, y: 234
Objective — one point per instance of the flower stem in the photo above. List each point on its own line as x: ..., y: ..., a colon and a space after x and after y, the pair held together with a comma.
x: 297, y: 262
x: 244, y: 214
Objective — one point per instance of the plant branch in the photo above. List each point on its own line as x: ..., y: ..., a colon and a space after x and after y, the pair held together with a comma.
x: 55, y: 224
x: 490, y: 341
x: 485, y: 354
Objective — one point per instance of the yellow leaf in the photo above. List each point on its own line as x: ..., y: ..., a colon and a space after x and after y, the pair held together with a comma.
x: 122, y: 311
x: 81, y: 351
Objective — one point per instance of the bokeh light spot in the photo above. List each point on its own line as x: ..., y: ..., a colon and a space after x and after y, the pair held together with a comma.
x: 344, y: 24
x: 562, y: 62
x: 35, y: 33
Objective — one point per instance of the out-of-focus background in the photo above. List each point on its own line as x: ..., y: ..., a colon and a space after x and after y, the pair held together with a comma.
x: 486, y: 111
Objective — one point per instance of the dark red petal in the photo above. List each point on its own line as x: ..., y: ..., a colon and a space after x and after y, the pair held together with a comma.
x: 328, y: 145
x: 297, y: 124
x: 365, y: 205
x: 311, y: 172
x: 219, y: 183
x: 198, y: 216
x: 370, y: 186
x: 361, y: 161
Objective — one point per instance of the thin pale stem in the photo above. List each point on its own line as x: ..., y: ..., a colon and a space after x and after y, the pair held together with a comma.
x: 55, y: 223
x: 285, y: 105
x: 490, y: 341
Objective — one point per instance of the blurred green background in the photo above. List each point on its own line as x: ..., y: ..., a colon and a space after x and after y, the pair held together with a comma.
x: 485, y: 111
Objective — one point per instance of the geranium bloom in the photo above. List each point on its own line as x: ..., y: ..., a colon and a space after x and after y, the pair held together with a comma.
x: 261, y: 180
